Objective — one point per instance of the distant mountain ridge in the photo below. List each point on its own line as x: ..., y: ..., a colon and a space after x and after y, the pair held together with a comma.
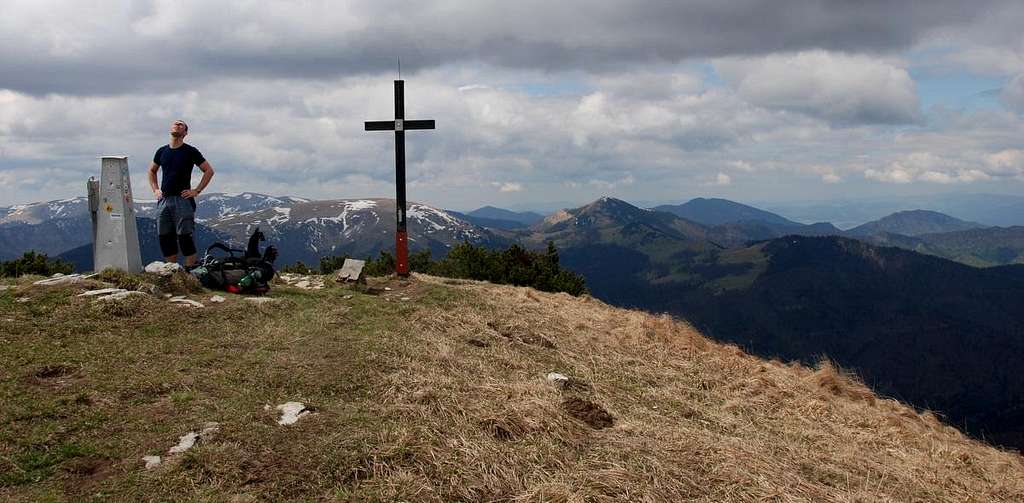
x: 301, y: 229
x: 913, y: 223
x: 715, y: 211
x: 492, y: 213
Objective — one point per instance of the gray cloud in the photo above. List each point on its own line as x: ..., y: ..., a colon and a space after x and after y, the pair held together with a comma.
x: 159, y: 46
x: 842, y: 89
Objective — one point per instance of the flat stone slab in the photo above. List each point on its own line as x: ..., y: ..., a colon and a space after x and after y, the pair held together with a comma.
x: 351, y: 270
x: 61, y: 280
x: 121, y: 295
x: 101, y: 291
x: 217, y: 299
x: 261, y: 300
x: 185, y: 302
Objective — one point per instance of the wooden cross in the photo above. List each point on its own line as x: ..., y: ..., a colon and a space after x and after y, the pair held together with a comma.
x: 399, y: 126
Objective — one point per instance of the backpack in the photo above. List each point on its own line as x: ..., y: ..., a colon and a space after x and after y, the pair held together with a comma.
x: 239, y: 271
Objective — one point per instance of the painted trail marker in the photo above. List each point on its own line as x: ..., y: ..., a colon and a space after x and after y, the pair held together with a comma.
x: 399, y: 126
x: 115, y: 236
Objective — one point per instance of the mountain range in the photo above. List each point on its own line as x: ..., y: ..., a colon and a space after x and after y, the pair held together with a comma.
x: 303, y: 230
x: 936, y: 333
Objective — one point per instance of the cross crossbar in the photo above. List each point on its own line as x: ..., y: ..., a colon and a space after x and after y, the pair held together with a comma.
x: 406, y: 125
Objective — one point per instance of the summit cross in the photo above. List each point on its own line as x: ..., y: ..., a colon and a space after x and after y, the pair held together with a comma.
x: 399, y: 126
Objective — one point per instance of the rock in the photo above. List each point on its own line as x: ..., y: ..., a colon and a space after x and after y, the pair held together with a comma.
x: 347, y: 297
x: 291, y: 412
x: 21, y: 300
x: 185, y: 302
x: 5, y: 287
x: 163, y: 268
x: 387, y: 289
x: 406, y: 298
x: 121, y: 295
x: 188, y: 440
x: 60, y: 280
x: 217, y: 299
x: 152, y: 461
x: 167, y: 296
x: 302, y: 284
x: 557, y: 379
x: 101, y: 291
x: 261, y: 300
x: 351, y: 270
x: 184, y: 443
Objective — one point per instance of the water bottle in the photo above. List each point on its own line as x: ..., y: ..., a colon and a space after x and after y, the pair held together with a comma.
x: 249, y: 279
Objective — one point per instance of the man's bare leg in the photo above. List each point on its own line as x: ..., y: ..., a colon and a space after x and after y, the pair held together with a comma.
x: 171, y: 259
x: 190, y: 260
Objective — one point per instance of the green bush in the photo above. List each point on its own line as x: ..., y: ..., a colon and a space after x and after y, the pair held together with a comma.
x: 382, y: 266
x: 331, y: 264
x: 297, y: 268
x: 515, y: 266
x: 34, y: 263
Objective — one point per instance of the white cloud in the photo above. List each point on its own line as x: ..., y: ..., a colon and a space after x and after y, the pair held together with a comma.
x: 510, y: 187
x: 721, y: 179
x: 843, y: 89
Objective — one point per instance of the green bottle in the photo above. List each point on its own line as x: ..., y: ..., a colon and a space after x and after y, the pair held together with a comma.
x: 248, y: 279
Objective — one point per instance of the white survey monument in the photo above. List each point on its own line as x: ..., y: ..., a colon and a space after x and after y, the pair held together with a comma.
x: 115, y: 236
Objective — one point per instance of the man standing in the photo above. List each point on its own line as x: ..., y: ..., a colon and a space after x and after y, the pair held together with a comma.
x: 176, y: 199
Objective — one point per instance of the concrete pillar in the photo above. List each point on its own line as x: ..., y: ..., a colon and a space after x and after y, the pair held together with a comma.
x: 115, y: 235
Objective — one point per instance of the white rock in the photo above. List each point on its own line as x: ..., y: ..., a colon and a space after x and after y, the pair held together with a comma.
x: 152, y: 461
x: 163, y: 268
x: 186, y: 302
x: 101, y: 291
x: 557, y: 379
x: 121, y: 295
x: 60, y: 280
x: 5, y: 287
x: 291, y: 412
x: 261, y: 300
x: 303, y: 284
x: 188, y: 440
x: 21, y: 300
x: 347, y: 297
x: 406, y: 298
x: 387, y: 289
x: 184, y: 443
x: 217, y: 299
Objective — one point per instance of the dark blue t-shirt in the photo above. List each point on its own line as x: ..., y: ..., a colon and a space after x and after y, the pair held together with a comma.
x: 177, y: 164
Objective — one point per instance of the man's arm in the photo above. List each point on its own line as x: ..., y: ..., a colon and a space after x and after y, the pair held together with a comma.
x: 153, y: 167
x: 207, y: 170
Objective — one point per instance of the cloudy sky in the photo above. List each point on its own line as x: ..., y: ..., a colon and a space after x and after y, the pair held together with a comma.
x: 538, y: 103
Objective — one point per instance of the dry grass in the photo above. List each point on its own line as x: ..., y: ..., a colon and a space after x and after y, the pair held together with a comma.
x: 443, y: 397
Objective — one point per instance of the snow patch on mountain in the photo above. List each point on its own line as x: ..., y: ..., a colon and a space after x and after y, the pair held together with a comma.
x: 283, y: 214
x: 349, y: 209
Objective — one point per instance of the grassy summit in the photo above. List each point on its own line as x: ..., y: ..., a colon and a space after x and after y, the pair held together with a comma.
x: 435, y: 390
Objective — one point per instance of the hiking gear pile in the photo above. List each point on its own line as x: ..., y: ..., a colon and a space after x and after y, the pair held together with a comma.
x: 240, y: 271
